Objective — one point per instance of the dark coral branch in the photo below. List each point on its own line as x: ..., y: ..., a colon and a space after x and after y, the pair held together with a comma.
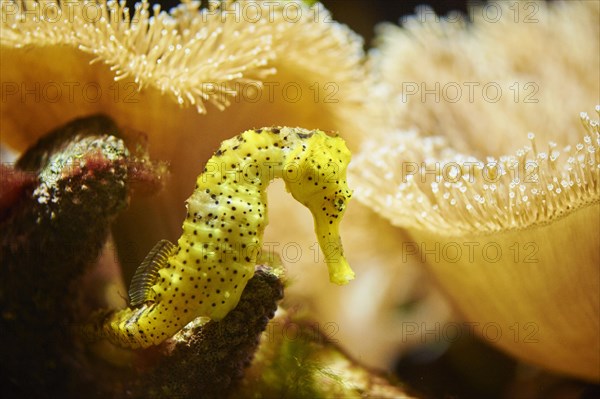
x: 54, y: 229
x: 56, y: 141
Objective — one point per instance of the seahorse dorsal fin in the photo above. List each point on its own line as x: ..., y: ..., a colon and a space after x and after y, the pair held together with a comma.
x: 146, y: 274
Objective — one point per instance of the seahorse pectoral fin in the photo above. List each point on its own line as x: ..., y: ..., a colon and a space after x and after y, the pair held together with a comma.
x: 146, y: 274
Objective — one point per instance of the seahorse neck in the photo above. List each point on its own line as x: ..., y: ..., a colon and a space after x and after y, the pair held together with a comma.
x: 228, y: 209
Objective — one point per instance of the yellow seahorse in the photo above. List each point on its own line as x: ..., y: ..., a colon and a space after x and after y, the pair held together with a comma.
x: 206, y: 272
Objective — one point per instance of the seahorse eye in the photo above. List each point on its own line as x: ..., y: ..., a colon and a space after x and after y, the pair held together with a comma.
x: 340, y: 203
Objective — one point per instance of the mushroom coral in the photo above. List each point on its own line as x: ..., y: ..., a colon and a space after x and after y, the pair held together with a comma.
x: 480, y: 155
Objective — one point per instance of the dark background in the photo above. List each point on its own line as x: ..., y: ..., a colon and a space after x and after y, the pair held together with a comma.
x: 363, y: 15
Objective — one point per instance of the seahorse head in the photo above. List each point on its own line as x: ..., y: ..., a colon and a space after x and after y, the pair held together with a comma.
x: 315, y: 175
